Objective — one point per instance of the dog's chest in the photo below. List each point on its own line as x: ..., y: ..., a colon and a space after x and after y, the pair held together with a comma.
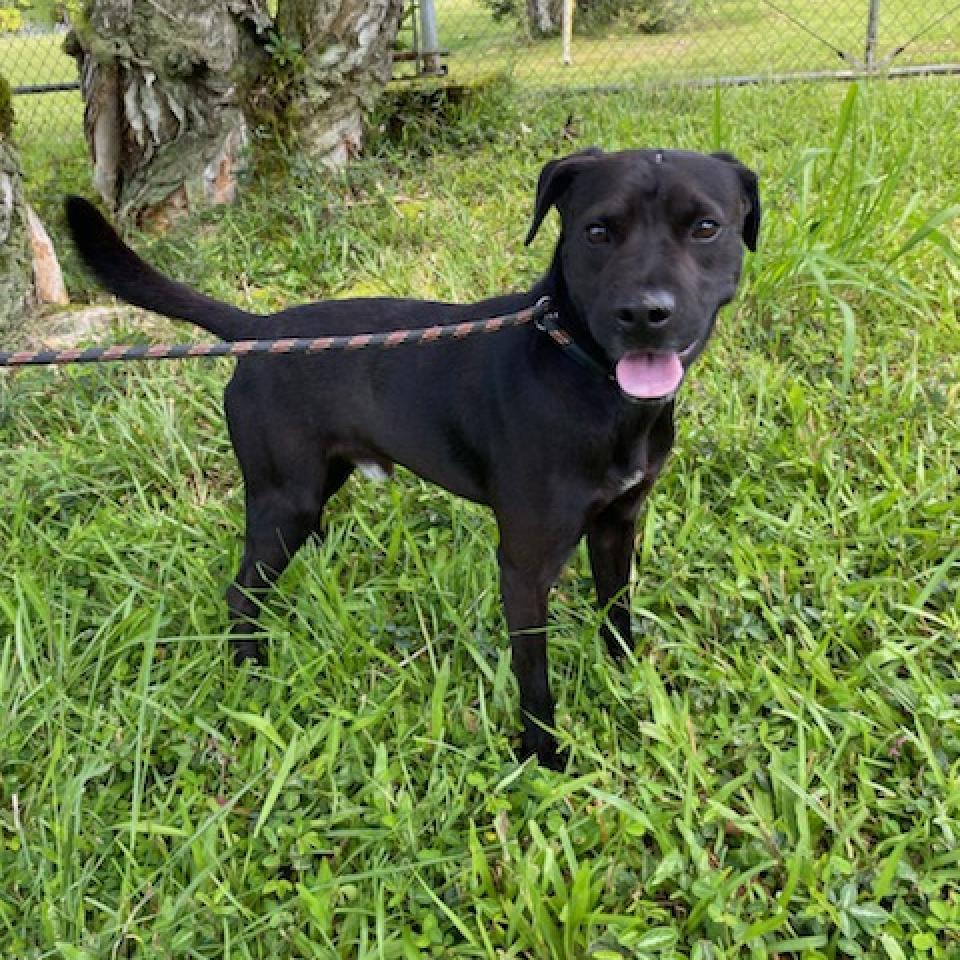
x: 638, y: 445
x: 631, y: 458
x: 620, y: 480
x: 627, y: 481
x: 625, y: 471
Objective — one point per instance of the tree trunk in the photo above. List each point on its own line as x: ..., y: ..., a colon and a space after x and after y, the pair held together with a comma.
x: 164, y: 86
x: 173, y: 89
x: 544, y: 17
x: 15, y: 252
x: 346, y: 47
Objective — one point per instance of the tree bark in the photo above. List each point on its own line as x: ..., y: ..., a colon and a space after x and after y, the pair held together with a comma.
x: 544, y: 17
x: 15, y: 251
x: 163, y: 83
x: 174, y: 89
x: 48, y: 286
x: 346, y: 47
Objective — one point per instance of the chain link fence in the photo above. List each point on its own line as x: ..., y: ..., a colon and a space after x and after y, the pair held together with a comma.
x: 571, y: 44
x: 620, y: 43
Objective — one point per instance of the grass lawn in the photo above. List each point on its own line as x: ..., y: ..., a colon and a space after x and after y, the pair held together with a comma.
x: 775, y: 773
x: 722, y: 38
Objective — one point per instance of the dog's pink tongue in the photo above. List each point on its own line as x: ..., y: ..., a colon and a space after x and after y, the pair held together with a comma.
x: 648, y: 376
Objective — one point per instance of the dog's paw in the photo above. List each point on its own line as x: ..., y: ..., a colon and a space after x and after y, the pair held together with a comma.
x: 247, y: 652
x: 544, y: 749
x: 553, y: 759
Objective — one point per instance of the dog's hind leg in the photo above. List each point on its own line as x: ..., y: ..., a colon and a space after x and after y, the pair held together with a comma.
x: 338, y: 472
x: 279, y: 521
x: 277, y: 527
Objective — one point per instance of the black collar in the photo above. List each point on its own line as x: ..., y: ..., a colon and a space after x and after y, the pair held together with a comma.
x: 547, y: 320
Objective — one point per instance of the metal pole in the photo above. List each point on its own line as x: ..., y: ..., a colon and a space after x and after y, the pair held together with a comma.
x: 566, y: 27
x: 870, y: 48
x: 430, y: 43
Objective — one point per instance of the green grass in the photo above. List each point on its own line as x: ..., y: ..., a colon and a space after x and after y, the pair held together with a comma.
x: 776, y: 773
x: 732, y: 37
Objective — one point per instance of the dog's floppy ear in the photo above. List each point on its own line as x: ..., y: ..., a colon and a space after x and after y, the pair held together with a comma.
x: 748, y: 184
x: 555, y: 179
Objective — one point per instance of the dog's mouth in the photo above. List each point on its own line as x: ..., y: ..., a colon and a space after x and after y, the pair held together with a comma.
x: 652, y: 375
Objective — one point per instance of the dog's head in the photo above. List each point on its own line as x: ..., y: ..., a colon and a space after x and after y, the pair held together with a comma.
x: 650, y: 248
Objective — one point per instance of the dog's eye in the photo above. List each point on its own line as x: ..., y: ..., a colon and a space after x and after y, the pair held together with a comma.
x: 705, y: 229
x: 597, y: 233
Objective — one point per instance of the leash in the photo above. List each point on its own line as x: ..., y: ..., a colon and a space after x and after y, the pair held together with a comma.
x: 538, y: 313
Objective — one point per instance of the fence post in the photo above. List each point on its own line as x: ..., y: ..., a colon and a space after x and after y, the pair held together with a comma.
x: 430, y: 43
x: 566, y: 28
x: 870, y: 49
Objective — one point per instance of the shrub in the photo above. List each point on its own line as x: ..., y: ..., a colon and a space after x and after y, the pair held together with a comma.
x: 11, y: 20
x: 542, y: 17
x: 6, y: 108
x: 646, y: 16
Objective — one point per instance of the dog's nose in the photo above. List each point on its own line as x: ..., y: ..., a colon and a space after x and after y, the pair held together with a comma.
x: 650, y: 309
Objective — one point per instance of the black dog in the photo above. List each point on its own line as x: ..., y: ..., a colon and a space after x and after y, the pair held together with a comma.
x: 559, y: 442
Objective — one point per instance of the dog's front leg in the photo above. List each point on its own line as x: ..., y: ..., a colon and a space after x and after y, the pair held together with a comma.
x: 611, y: 538
x: 525, y: 607
x: 528, y: 570
x: 610, y: 543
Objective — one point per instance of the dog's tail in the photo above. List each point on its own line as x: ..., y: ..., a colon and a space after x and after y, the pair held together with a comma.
x: 132, y: 279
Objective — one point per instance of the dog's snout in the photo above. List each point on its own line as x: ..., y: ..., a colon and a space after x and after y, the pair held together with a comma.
x: 651, y: 310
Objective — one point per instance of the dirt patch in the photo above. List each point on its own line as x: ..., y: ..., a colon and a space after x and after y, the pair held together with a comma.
x: 98, y: 326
